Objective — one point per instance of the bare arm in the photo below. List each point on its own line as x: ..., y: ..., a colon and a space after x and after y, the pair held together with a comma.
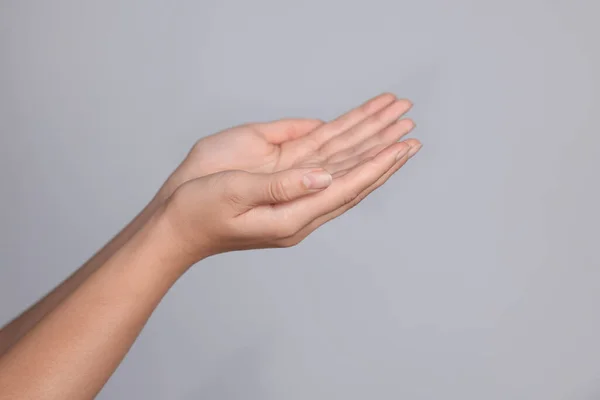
x: 75, y: 348
x: 19, y: 326
x: 264, y: 195
x: 248, y: 147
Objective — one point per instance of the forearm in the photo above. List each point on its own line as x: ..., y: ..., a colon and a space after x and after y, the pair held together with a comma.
x: 74, y: 349
x: 18, y: 327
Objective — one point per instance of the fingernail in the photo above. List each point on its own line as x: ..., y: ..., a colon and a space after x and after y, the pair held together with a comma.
x: 317, y: 180
x: 414, y: 149
x: 402, y: 152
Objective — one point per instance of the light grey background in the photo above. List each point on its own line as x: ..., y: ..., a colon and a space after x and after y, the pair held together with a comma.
x: 474, y: 274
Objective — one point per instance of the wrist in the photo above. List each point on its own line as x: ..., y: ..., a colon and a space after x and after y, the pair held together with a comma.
x: 160, y: 236
x: 177, y: 178
x: 165, y: 191
x: 171, y: 232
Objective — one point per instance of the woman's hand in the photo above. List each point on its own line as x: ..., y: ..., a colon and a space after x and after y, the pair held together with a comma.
x: 254, y: 186
x: 276, y: 146
x: 238, y: 210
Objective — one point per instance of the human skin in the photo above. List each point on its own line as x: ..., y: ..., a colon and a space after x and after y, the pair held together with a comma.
x: 253, y: 186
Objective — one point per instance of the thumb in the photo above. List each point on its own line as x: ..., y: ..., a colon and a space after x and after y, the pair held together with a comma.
x: 287, y: 185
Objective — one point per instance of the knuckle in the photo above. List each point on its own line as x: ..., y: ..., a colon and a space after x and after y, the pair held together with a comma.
x: 235, y: 198
x: 226, y: 183
x: 277, y: 190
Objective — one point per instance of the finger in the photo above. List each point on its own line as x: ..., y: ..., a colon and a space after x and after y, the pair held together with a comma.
x: 351, y: 162
x: 385, y: 137
x: 353, y: 137
x: 414, y: 147
x: 343, y: 190
x: 284, y: 130
x: 263, y: 189
x: 315, y: 224
x: 348, y: 120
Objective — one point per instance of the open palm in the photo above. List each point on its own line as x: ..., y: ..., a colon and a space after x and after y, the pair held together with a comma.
x: 268, y: 147
x: 339, y: 147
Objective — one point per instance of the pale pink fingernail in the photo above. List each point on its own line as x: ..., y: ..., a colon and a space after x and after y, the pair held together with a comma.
x: 317, y: 180
x: 402, y: 152
x: 414, y: 149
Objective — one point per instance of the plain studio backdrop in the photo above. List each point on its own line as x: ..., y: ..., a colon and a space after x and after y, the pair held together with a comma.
x: 473, y: 274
